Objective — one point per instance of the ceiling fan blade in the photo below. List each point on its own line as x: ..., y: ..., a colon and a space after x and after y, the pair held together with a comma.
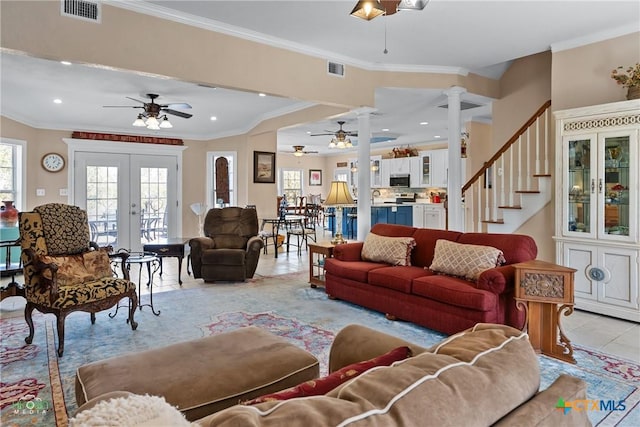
x: 322, y: 134
x: 133, y: 99
x: 177, y: 113
x: 122, y: 106
x: 181, y: 105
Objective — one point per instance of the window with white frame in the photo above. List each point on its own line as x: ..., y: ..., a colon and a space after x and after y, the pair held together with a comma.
x: 290, y: 184
x: 12, y: 171
x: 221, y: 170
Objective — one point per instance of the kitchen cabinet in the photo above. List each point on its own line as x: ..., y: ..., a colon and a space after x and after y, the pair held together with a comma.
x: 402, y: 215
x: 399, y: 166
x: 376, y: 171
x: 598, y: 187
x: 429, y: 169
x: 429, y: 216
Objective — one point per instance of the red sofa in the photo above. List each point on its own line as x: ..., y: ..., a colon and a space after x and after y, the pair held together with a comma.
x: 414, y: 293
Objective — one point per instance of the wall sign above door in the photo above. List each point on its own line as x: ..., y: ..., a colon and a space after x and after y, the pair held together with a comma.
x: 126, y: 138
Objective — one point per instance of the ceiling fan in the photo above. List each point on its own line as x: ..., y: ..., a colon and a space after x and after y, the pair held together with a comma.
x: 153, y: 112
x: 340, y: 137
x: 298, y: 151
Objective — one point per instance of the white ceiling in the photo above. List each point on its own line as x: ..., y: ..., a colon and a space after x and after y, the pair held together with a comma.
x: 447, y: 36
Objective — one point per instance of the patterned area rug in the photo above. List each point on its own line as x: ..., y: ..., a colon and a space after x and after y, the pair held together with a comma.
x: 37, y: 388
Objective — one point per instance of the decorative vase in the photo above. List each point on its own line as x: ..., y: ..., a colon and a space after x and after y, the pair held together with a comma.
x: 8, y: 214
x: 633, y: 92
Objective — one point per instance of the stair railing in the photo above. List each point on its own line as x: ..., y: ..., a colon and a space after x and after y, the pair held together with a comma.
x: 488, y: 191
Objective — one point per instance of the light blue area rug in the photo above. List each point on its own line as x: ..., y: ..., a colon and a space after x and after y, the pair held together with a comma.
x: 38, y: 388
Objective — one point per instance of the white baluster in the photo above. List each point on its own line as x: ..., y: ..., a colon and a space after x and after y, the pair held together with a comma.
x: 511, y: 169
x: 479, y: 205
x: 494, y: 191
x: 527, y: 156
x: 519, y: 165
x: 502, y: 194
x: 546, y: 141
x: 538, y: 146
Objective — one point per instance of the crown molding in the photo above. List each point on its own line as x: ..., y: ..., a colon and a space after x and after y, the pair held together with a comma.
x: 234, y: 31
x: 595, y: 37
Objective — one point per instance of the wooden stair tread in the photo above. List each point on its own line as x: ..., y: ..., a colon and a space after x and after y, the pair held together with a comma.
x: 527, y: 192
x: 510, y: 207
x: 498, y: 221
x: 541, y: 175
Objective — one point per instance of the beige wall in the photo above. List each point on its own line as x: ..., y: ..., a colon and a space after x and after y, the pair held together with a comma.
x: 582, y: 76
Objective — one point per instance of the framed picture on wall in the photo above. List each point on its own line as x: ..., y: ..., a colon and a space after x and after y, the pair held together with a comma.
x: 315, y: 177
x: 264, y: 167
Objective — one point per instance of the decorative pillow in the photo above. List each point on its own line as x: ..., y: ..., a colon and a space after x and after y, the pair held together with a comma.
x: 466, y: 261
x: 391, y: 250
x: 97, y: 263
x: 71, y: 269
x: 133, y: 410
x: 324, y: 385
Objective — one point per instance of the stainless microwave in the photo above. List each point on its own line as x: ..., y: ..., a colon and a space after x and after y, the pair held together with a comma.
x: 399, y: 181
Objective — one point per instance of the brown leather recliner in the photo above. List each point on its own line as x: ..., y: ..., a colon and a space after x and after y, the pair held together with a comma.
x: 231, y: 247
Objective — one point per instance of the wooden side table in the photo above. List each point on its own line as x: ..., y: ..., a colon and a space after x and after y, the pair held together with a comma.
x: 540, y: 288
x: 165, y: 248
x: 318, y: 252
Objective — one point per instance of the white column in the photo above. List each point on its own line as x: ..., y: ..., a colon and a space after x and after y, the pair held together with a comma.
x: 364, y: 172
x: 454, y: 196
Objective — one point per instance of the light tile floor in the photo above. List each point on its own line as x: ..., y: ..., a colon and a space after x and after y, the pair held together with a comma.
x: 610, y: 335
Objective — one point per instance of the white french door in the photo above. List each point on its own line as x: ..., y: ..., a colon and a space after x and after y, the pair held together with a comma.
x: 130, y: 199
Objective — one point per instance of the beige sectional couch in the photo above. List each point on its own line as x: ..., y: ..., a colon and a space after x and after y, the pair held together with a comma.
x: 487, y: 375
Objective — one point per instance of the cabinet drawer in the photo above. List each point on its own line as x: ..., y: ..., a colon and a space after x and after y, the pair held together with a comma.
x: 166, y: 250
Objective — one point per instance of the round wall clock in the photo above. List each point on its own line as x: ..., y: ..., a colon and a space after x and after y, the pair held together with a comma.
x: 53, y: 162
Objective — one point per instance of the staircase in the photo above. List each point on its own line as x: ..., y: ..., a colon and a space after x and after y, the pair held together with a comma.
x: 515, y: 183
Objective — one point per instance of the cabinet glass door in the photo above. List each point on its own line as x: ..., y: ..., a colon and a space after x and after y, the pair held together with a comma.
x: 613, y: 185
x: 376, y: 174
x: 425, y: 166
x: 581, y: 187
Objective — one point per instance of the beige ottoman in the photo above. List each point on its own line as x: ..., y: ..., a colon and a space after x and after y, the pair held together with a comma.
x: 203, y: 376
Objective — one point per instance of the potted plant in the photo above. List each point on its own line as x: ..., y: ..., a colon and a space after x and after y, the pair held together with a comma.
x: 629, y: 79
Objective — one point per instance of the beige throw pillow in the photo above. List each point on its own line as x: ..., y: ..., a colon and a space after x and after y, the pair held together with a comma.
x: 390, y: 250
x: 467, y: 261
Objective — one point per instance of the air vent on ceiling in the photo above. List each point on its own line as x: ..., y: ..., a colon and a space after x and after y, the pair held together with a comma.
x: 81, y: 9
x: 464, y: 105
x: 335, y: 69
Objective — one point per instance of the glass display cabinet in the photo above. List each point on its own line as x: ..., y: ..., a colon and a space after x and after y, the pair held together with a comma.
x: 597, y: 189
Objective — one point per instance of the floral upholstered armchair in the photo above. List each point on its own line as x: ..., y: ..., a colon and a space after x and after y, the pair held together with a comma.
x: 65, y: 272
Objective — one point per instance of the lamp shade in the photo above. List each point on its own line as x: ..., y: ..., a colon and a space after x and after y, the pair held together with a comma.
x: 339, y: 194
x: 368, y: 9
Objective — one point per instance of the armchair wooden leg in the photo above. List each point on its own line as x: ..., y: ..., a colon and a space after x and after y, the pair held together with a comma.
x: 28, y: 309
x: 133, y: 303
x: 60, y: 325
x: 93, y: 318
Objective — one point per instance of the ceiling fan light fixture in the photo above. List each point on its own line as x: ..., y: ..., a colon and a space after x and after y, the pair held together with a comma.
x: 368, y: 9
x: 412, y: 4
x: 139, y: 122
x: 348, y: 143
x: 298, y: 153
x: 341, y: 144
x: 332, y: 144
x: 165, y: 124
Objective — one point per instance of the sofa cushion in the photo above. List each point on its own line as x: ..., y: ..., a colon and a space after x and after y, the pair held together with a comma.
x: 454, y: 291
x: 326, y: 384
x: 393, y: 230
x: 484, y: 374
x: 466, y: 261
x: 71, y: 269
x: 234, y: 257
x: 426, y: 238
x: 390, y: 250
x: 352, y: 270
x: 515, y: 247
x: 398, y: 278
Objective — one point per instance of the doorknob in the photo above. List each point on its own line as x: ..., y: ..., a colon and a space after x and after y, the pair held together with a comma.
x: 133, y: 212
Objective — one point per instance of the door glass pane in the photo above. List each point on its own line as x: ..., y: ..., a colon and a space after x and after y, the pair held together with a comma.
x: 616, y: 185
x: 102, y: 204
x: 425, y: 178
x: 153, y: 202
x: 579, y: 186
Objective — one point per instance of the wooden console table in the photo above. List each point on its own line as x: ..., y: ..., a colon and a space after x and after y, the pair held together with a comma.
x: 540, y: 288
x: 173, y: 247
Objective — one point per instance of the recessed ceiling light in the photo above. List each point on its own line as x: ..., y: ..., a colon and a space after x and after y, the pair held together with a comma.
x: 57, y: 101
x: 65, y: 62
x: 385, y: 130
x: 214, y: 118
x: 262, y: 94
x: 308, y: 132
x: 424, y: 123
x: 437, y: 136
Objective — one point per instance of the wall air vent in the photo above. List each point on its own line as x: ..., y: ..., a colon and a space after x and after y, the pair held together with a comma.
x: 335, y: 69
x: 81, y: 9
x: 464, y: 105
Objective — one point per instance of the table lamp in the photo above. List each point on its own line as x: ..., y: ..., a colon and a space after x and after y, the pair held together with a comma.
x: 339, y: 196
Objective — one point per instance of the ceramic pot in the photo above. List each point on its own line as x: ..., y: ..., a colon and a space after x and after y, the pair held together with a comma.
x: 8, y: 214
x: 633, y: 92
